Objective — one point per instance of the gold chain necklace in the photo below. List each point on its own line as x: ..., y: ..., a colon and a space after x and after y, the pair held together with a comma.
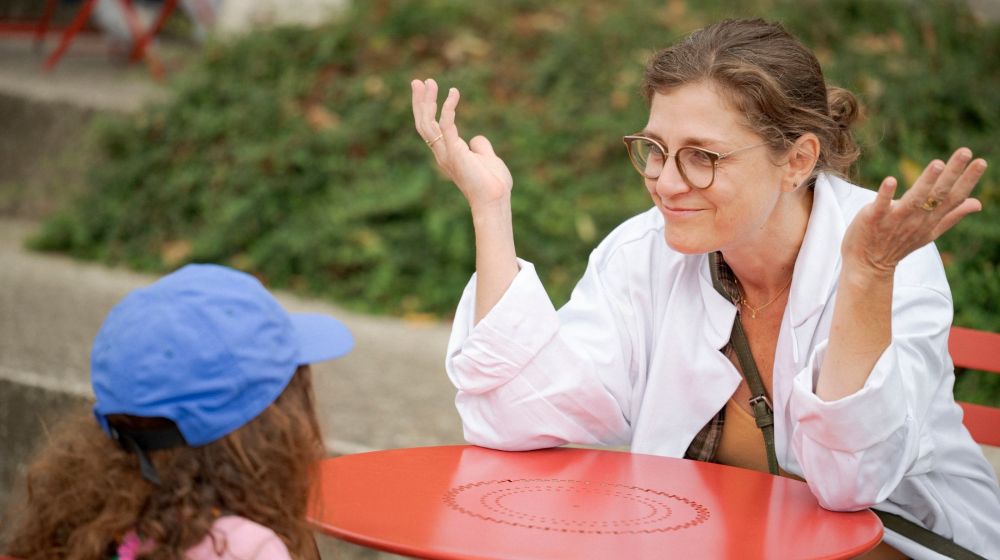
x: 755, y: 310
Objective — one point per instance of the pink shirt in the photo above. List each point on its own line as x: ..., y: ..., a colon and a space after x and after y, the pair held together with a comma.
x: 239, y: 539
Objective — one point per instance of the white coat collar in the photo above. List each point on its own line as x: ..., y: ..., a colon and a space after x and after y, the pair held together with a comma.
x: 817, y: 266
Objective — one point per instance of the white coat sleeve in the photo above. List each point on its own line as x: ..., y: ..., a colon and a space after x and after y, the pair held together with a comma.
x: 530, y: 377
x: 854, y: 451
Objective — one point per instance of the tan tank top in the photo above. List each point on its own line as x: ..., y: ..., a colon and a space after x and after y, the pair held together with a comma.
x: 742, y: 445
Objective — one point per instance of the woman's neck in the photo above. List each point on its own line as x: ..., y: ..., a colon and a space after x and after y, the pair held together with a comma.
x: 765, y: 263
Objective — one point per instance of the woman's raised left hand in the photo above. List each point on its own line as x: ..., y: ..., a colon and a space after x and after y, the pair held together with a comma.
x: 887, y: 230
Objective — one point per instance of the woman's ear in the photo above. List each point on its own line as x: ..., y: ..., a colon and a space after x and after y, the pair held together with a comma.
x: 802, y: 158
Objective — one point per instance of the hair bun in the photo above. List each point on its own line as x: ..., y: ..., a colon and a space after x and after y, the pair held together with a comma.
x: 844, y: 107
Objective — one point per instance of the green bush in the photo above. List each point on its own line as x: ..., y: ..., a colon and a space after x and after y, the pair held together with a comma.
x: 291, y: 153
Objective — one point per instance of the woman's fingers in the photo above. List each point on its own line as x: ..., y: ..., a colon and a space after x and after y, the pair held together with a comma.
x: 445, y: 134
x: 968, y: 180
x: 482, y: 146
x: 430, y: 97
x: 440, y: 136
x: 423, y: 114
x: 447, y: 125
x: 924, y: 186
x: 883, y: 199
x: 944, y: 201
x: 425, y: 117
x: 417, y: 91
x: 431, y: 128
x: 941, y: 190
x: 966, y: 207
x: 942, y: 187
x: 425, y: 107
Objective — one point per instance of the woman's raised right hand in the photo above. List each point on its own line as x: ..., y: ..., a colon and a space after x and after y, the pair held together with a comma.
x: 477, y: 171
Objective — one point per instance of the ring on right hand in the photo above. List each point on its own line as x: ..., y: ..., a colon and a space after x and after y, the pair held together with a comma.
x: 930, y: 204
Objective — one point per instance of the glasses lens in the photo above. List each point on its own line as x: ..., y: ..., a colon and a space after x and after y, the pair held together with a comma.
x: 647, y: 157
x: 697, y: 166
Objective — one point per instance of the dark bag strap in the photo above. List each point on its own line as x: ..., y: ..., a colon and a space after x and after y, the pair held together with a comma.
x: 925, y: 537
x: 761, y: 405
x: 762, y: 412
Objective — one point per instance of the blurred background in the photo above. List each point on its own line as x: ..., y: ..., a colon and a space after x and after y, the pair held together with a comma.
x: 277, y: 137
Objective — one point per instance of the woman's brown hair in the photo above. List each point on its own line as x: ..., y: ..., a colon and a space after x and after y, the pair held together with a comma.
x: 771, y: 78
x: 84, y: 492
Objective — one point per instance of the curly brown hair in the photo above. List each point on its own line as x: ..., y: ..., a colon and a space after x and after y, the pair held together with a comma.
x: 84, y: 492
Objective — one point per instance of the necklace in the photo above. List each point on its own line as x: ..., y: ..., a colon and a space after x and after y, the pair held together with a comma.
x: 755, y: 310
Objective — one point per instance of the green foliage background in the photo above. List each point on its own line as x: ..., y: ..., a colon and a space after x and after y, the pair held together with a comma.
x: 291, y: 153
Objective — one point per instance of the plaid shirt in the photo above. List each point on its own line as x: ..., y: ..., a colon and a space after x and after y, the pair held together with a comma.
x: 706, y: 443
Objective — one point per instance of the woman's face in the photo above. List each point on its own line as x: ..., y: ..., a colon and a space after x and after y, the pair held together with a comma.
x: 735, y: 209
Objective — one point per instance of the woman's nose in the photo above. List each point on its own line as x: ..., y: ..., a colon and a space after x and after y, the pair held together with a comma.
x: 670, y: 182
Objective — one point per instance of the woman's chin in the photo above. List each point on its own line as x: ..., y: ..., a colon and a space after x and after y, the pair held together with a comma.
x: 688, y: 245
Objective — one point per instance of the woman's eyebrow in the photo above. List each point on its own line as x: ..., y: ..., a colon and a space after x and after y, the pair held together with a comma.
x: 688, y: 141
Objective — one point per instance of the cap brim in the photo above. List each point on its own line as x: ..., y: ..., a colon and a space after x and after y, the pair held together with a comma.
x: 321, y: 337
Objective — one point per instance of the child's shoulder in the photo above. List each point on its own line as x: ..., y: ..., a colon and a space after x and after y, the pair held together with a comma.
x: 239, y: 538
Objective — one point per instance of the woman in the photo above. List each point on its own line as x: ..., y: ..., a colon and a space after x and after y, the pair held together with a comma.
x: 838, y: 292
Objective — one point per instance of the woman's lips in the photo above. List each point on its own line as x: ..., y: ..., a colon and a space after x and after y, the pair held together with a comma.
x: 671, y: 212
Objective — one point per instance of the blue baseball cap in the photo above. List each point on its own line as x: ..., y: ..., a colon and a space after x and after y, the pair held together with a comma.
x: 207, y: 347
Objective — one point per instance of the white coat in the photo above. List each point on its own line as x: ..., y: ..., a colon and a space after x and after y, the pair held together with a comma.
x: 633, y: 358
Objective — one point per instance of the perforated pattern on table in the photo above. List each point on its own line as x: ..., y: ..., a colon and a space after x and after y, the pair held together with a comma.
x: 458, y: 502
x: 596, y: 507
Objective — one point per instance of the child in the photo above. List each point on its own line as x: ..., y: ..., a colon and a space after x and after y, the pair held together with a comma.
x: 205, y: 431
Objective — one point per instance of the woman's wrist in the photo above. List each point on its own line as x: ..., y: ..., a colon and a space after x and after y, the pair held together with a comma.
x: 491, y: 214
x: 866, y: 274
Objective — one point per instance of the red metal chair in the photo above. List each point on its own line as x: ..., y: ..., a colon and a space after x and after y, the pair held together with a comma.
x: 33, y: 23
x: 978, y: 350
x: 140, y: 37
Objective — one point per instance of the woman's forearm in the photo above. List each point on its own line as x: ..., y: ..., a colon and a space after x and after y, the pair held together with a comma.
x: 496, y: 259
x: 860, y: 332
x: 879, y: 237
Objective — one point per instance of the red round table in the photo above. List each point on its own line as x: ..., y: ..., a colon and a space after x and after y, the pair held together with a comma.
x: 471, y: 502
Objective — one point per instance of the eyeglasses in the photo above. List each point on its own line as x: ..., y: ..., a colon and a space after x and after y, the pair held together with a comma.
x: 696, y: 165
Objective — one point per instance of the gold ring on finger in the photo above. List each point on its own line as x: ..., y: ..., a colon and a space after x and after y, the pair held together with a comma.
x: 436, y: 138
x: 930, y: 204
